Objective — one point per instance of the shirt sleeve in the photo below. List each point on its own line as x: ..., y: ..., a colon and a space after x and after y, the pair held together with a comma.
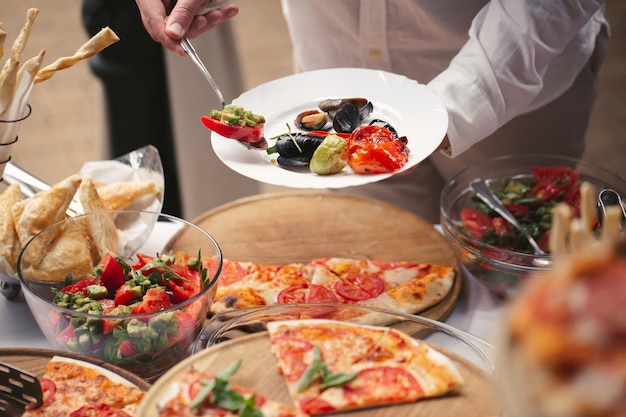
x: 520, y: 55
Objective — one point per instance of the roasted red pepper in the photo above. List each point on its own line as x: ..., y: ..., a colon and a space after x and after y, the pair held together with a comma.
x: 234, y: 122
x: 376, y: 150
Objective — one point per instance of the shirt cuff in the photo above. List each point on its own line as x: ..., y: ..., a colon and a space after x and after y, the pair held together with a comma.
x: 470, y: 112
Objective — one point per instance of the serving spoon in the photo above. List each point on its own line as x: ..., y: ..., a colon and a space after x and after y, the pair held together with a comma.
x: 483, y: 192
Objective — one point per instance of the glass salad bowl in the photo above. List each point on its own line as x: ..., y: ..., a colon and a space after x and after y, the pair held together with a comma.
x: 501, y: 267
x: 137, y: 304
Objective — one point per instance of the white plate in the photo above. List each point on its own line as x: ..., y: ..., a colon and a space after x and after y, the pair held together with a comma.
x: 408, y: 106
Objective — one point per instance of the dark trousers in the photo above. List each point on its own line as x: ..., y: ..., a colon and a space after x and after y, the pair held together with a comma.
x: 134, y: 83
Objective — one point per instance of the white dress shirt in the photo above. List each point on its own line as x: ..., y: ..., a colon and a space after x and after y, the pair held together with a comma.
x: 488, y: 61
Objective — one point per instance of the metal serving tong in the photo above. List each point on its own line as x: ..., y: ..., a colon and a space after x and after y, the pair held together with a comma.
x: 609, y: 197
x: 191, y: 51
x: 18, y: 388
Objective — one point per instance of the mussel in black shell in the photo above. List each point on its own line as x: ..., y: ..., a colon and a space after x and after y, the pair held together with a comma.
x: 347, y: 113
x: 295, y: 149
x: 311, y: 120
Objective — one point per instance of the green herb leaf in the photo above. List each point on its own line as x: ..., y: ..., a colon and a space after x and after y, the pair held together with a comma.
x: 319, y: 368
x: 219, y: 392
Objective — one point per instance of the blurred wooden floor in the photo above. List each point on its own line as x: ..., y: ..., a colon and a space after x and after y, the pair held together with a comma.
x: 64, y: 131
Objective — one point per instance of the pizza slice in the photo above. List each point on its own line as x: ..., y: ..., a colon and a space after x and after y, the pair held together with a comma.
x: 76, y: 388
x: 407, y: 287
x: 250, y: 284
x: 332, y: 366
x: 197, y: 393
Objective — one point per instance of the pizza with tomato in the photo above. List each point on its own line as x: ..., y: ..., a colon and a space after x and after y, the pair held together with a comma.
x: 196, y: 393
x: 408, y: 287
x: 75, y: 388
x: 332, y: 366
x: 564, y: 341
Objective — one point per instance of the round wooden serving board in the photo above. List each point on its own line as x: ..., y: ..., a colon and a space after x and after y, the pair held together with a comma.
x: 35, y: 361
x: 259, y: 372
x: 287, y: 227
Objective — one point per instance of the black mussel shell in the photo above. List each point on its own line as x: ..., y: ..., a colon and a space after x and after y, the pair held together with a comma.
x: 382, y: 123
x: 333, y: 104
x: 311, y: 120
x: 295, y: 162
x: 303, y: 147
x: 366, y: 110
x: 347, y: 118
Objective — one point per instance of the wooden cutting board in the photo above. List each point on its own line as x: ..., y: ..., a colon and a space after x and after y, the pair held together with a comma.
x: 286, y: 227
x: 259, y: 372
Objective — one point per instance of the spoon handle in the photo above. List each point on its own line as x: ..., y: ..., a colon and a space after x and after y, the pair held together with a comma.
x: 483, y: 192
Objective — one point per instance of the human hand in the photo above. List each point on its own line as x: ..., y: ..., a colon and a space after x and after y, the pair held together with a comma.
x: 182, y: 21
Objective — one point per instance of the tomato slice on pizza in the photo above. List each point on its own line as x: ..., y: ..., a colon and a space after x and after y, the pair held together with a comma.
x: 331, y: 365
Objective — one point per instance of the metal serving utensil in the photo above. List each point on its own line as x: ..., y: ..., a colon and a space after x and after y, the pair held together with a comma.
x: 609, y: 197
x: 483, y: 192
x: 17, y: 386
x: 191, y: 53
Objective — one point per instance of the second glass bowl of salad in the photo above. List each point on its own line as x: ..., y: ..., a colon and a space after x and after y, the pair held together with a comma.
x: 529, y: 186
x: 137, y: 303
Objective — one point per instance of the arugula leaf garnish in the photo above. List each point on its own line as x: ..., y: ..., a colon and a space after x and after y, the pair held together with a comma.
x: 328, y: 377
x: 219, y: 392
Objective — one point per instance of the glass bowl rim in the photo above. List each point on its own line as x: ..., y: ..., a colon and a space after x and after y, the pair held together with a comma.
x: 172, y: 308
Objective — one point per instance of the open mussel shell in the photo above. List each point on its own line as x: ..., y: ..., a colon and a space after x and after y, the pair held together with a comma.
x: 311, y: 120
x: 349, y: 114
x: 347, y: 118
x: 331, y: 105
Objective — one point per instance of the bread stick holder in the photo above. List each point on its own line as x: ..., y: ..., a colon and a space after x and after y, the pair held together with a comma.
x: 9, y: 136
